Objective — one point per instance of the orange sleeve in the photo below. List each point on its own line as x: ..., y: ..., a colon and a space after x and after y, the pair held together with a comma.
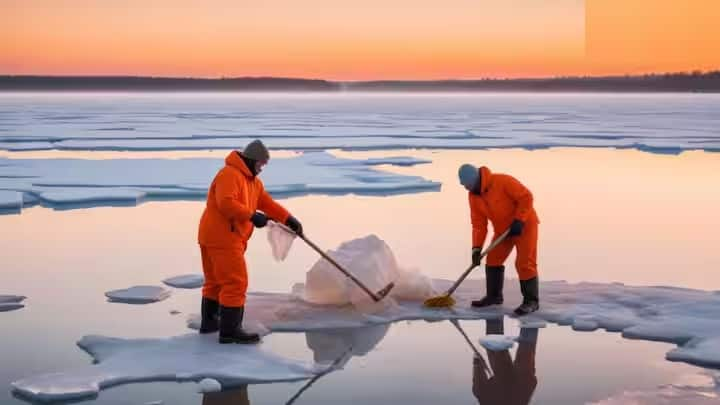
x: 521, y: 195
x: 479, y: 224
x: 227, y: 198
x: 271, y: 208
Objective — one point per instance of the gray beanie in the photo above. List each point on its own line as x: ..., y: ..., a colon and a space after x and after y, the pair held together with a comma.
x: 255, y: 150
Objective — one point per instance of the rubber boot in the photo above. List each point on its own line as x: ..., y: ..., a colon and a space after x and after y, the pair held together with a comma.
x: 495, y: 326
x: 531, y: 297
x: 231, y: 326
x: 209, y: 311
x: 494, y: 277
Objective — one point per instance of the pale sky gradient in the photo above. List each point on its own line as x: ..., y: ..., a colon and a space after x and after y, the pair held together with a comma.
x: 347, y: 40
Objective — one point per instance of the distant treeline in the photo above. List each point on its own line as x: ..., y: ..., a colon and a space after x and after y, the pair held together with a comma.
x: 670, y: 82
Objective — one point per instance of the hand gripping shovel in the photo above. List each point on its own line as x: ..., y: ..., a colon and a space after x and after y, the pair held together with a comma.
x: 446, y: 300
x: 376, y: 296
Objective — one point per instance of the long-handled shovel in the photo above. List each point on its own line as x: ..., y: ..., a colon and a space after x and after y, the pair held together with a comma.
x: 376, y: 296
x: 446, y: 300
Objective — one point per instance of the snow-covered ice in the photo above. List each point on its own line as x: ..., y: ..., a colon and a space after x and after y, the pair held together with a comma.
x: 70, y: 183
x: 497, y: 343
x: 686, y: 317
x: 651, y: 122
x: 190, y: 357
x: 185, y: 281
x: 142, y: 294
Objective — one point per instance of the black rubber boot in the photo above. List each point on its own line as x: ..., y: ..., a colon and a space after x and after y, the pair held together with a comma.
x: 231, y: 326
x: 531, y: 297
x: 495, y: 326
x: 209, y: 311
x: 494, y: 277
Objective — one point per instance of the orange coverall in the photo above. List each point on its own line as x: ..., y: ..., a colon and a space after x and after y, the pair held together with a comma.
x: 503, y: 198
x: 225, y: 228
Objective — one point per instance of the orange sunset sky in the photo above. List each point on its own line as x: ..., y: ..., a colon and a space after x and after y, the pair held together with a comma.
x: 358, y: 40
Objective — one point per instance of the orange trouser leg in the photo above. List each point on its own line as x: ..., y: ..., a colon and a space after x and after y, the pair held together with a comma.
x: 230, y: 273
x: 526, y: 259
x: 500, y: 253
x: 211, y: 287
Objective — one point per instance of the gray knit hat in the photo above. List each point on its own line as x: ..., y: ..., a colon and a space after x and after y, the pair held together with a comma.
x: 256, y: 150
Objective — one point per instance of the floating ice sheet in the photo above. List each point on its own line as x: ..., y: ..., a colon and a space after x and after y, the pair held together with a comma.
x: 185, y: 281
x: 71, y: 183
x: 651, y: 122
x: 190, y: 357
x: 142, y: 294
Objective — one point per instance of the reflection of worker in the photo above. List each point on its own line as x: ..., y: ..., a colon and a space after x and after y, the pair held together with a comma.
x: 511, y: 383
x: 237, y: 396
x: 507, y: 204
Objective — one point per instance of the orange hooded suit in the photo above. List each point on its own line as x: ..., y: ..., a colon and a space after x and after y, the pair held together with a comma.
x: 225, y: 228
x: 503, y: 198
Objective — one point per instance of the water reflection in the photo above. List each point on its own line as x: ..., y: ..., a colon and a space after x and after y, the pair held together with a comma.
x: 235, y: 396
x: 331, y: 348
x: 504, y: 381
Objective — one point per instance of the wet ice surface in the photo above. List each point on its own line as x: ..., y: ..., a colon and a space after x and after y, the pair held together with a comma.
x: 659, y: 123
x: 81, y: 183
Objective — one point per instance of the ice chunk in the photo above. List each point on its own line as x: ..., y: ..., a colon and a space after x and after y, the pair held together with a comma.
x: 702, y: 352
x: 497, y: 342
x: 209, y: 385
x: 371, y: 261
x: 280, y: 239
x: 186, y: 281
x: 142, y: 294
x: 190, y: 357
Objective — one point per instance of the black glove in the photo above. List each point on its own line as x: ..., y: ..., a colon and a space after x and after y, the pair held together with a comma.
x: 295, y: 225
x: 476, y: 256
x: 259, y: 219
x: 516, y: 227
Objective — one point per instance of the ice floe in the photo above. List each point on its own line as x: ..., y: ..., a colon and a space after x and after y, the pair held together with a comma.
x: 72, y: 183
x: 649, y: 122
x: 190, y: 357
x: 142, y: 294
x: 185, y: 281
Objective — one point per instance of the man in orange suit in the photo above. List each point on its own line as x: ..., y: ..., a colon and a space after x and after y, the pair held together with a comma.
x: 507, y: 204
x: 236, y: 202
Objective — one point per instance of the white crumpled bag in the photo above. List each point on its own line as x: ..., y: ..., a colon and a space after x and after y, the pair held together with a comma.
x: 280, y: 239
